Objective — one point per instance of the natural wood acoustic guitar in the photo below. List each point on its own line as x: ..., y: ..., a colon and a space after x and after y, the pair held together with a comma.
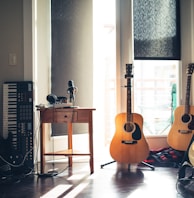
x: 129, y: 144
x: 182, y: 128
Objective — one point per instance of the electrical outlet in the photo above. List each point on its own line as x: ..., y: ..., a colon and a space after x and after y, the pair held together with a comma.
x: 12, y: 59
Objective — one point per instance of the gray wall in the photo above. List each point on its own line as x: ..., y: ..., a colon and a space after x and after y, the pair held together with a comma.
x: 11, y: 41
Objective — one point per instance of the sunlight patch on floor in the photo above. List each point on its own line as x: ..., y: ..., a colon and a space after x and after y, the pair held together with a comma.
x: 77, y: 190
x: 56, y: 191
x: 76, y: 177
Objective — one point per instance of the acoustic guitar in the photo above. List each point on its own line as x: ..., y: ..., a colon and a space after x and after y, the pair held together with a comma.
x: 129, y: 144
x: 182, y: 129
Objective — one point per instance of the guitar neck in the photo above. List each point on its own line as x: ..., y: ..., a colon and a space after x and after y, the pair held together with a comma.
x: 128, y: 76
x: 129, y: 118
x: 187, y: 99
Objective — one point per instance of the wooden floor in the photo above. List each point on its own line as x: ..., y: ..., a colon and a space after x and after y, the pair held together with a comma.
x: 112, y: 181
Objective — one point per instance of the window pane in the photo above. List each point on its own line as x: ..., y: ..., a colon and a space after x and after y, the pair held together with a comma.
x: 155, y: 94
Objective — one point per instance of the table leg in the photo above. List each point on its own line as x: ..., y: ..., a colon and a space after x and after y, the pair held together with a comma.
x: 42, y: 147
x: 70, y: 145
x: 90, y: 131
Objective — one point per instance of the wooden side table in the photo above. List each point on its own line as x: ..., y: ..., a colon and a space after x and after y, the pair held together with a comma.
x: 69, y: 116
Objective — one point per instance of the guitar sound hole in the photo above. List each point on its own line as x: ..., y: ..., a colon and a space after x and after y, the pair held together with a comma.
x: 186, y: 118
x: 129, y: 127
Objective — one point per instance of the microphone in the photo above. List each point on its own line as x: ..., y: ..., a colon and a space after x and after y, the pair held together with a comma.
x: 71, y: 90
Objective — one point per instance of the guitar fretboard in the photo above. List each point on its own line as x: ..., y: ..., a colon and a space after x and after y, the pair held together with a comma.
x: 188, y: 87
x: 128, y: 76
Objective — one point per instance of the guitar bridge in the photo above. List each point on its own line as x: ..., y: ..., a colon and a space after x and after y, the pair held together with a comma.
x: 129, y: 142
x: 185, y: 131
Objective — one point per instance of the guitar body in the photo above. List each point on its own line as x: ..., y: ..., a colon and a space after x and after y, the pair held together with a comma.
x: 181, y: 132
x: 129, y: 145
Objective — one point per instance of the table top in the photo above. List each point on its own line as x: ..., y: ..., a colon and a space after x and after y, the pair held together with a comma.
x: 53, y: 107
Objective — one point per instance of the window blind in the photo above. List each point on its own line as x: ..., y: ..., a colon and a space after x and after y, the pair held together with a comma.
x: 156, y: 29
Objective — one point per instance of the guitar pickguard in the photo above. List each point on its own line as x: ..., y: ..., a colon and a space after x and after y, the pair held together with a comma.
x: 191, y: 124
x: 137, y: 133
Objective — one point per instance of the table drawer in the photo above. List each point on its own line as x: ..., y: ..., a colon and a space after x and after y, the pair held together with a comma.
x: 60, y: 116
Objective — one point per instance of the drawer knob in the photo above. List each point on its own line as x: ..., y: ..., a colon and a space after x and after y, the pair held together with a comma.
x: 65, y: 116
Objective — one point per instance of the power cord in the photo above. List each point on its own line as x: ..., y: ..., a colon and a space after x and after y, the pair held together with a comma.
x: 53, y: 172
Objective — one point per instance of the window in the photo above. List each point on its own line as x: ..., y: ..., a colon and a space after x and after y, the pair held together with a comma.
x: 156, y: 47
x: 155, y: 94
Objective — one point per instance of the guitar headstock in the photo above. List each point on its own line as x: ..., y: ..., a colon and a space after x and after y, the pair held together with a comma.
x: 190, y: 68
x: 129, y: 71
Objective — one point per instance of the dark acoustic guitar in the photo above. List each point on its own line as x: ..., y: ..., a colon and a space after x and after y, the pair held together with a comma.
x: 129, y: 144
x: 181, y: 131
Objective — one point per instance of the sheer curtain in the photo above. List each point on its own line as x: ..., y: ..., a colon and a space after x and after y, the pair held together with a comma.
x: 104, y: 63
